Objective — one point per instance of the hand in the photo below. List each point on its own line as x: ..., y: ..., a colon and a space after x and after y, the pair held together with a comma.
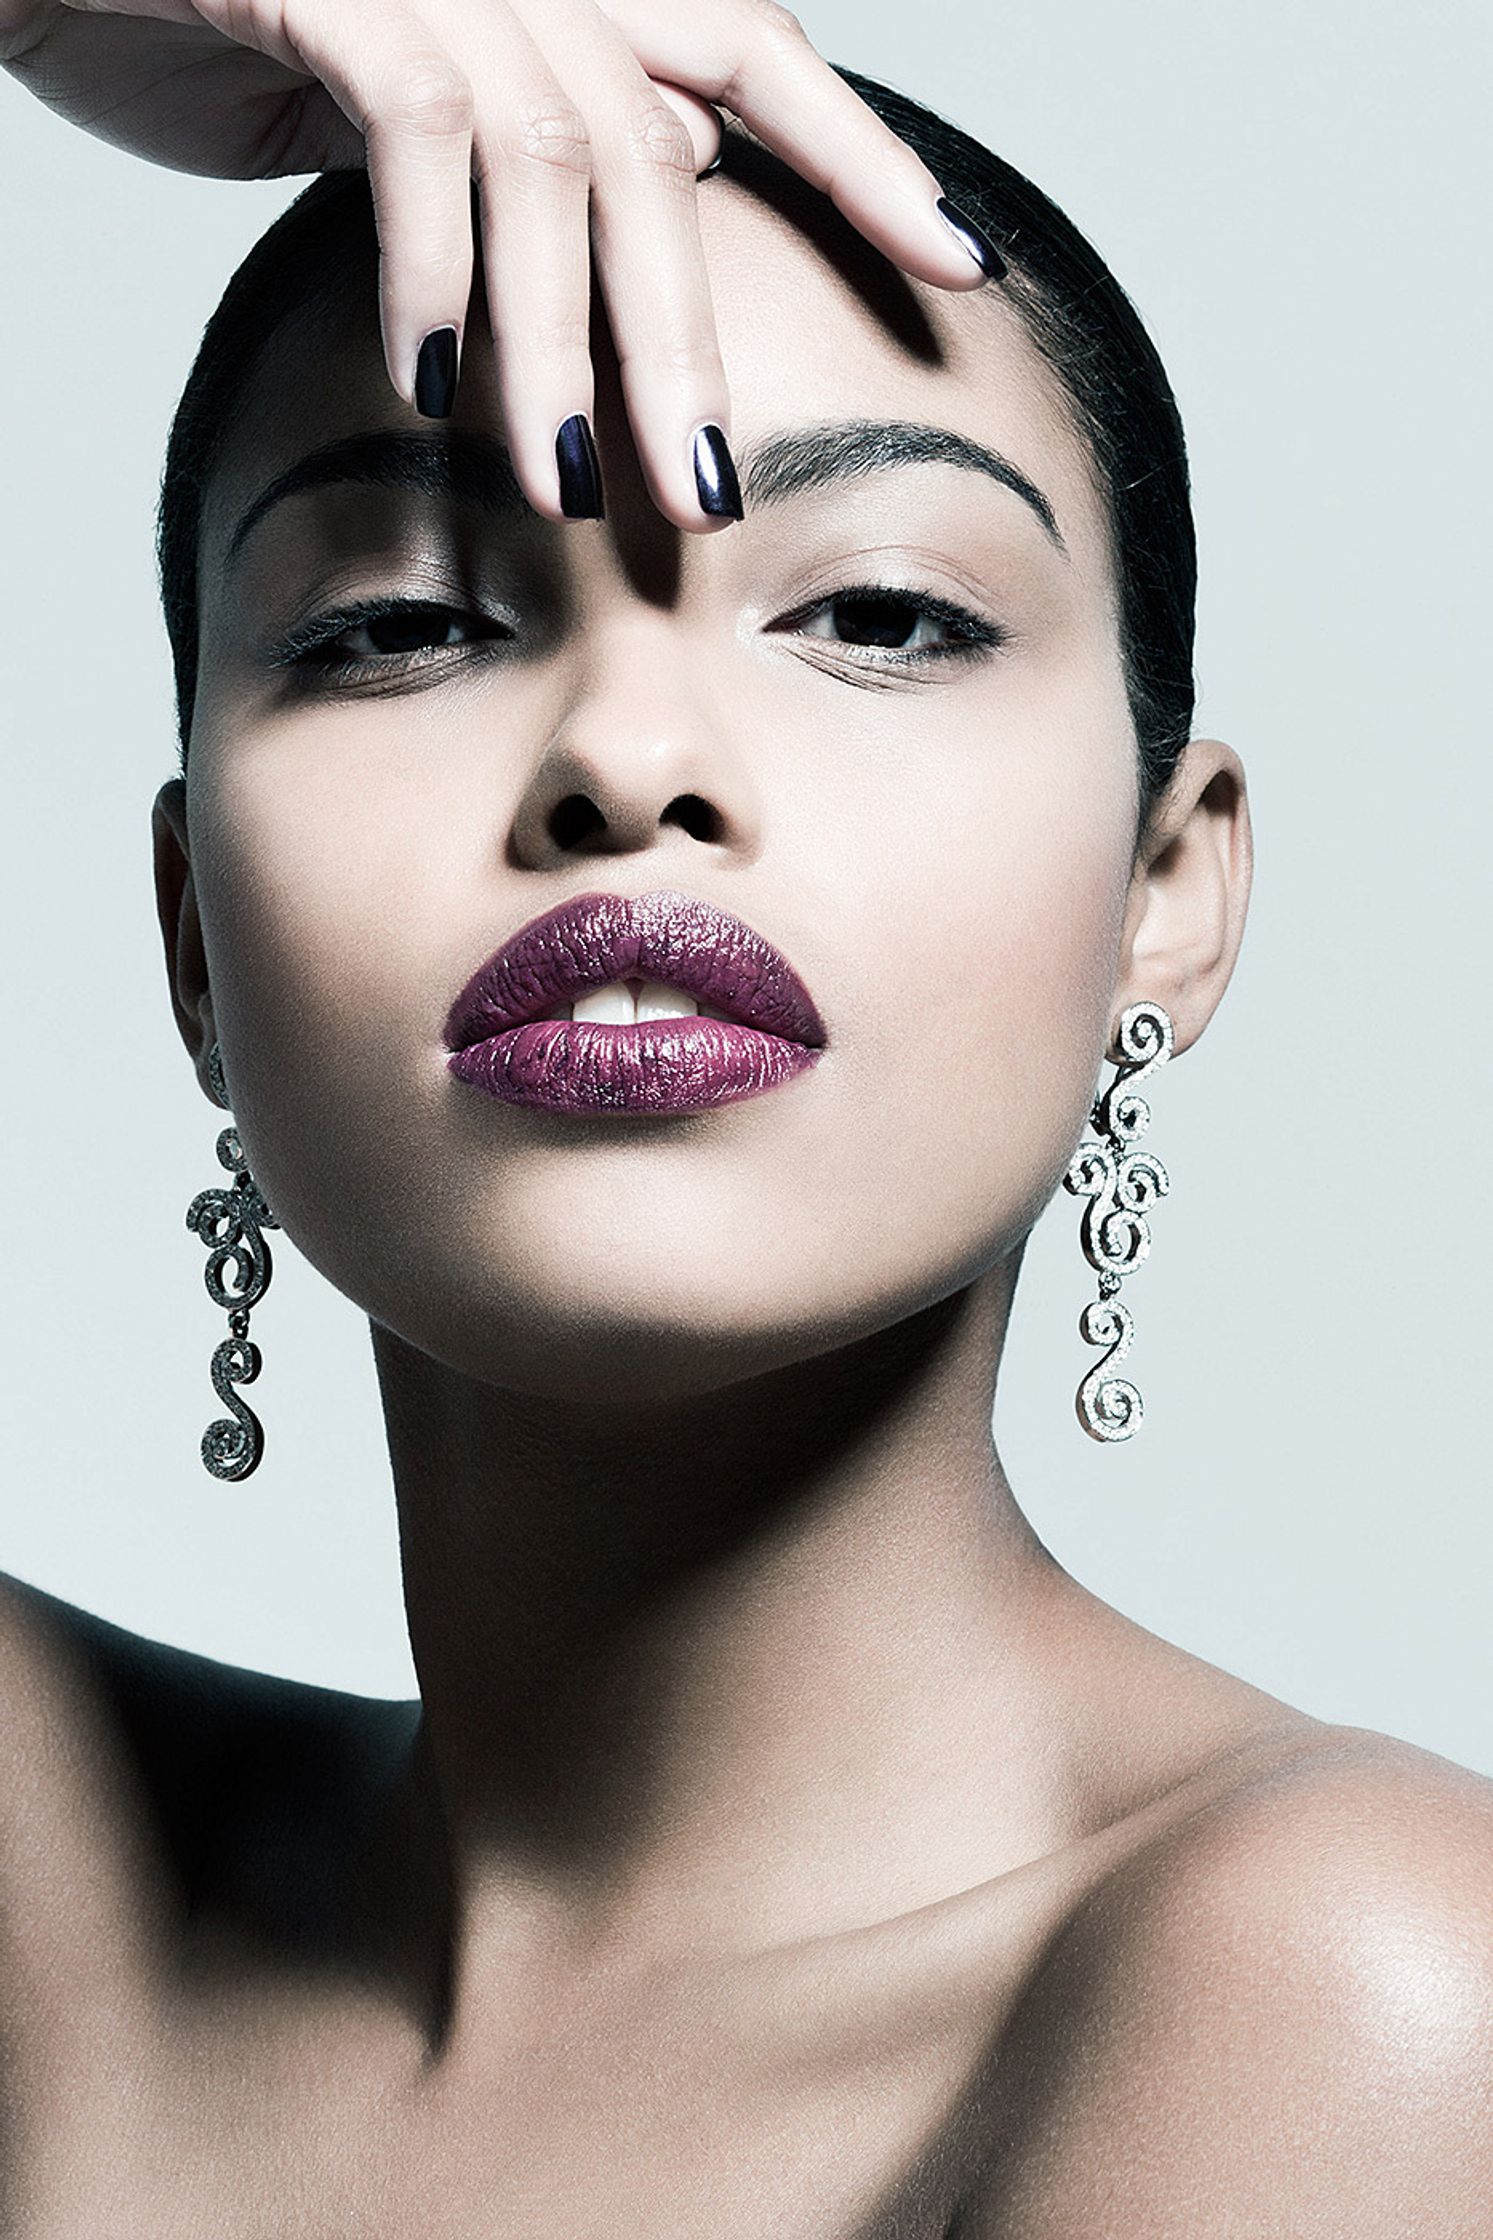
x: 563, y: 111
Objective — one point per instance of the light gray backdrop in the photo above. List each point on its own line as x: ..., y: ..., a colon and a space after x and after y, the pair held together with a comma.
x: 1294, y: 198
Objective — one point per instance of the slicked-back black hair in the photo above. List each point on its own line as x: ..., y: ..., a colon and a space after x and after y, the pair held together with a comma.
x: 1075, y: 311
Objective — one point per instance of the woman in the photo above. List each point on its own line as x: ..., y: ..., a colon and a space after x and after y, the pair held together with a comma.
x: 783, y: 1842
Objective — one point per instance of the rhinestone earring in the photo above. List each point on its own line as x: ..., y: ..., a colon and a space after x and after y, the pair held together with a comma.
x: 1121, y: 1186
x: 237, y: 1276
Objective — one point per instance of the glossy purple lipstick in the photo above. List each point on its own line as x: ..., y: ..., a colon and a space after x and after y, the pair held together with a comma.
x: 509, y: 1033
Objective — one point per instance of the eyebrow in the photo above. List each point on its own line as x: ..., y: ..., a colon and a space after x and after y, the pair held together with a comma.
x: 476, y: 470
x: 847, y: 450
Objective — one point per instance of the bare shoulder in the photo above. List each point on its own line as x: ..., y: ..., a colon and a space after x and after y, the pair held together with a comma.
x: 73, y: 1844
x: 1325, y: 1850
x: 49, y: 1729
x: 1277, y: 2016
x: 137, y: 1777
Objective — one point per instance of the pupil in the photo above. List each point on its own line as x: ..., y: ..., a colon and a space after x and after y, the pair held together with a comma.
x: 874, y: 622
x: 403, y: 632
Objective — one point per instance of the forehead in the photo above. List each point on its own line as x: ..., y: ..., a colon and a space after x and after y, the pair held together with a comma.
x: 815, y: 326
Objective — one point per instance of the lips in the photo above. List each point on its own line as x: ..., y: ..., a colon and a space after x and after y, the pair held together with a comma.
x: 502, y: 1041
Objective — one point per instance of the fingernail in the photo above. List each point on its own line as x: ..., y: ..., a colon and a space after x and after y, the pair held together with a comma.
x: 970, y: 239
x: 715, y: 473
x: 579, y: 470
x: 435, y: 374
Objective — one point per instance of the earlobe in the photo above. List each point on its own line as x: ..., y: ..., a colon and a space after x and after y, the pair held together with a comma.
x: 181, y: 930
x: 1190, y: 892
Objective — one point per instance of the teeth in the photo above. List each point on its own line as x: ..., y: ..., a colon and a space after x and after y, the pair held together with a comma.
x: 613, y: 1005
x: 655, y: 1001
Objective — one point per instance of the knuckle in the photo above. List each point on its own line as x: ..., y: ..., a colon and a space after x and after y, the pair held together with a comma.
x: 559, y: 334
x: 432, y: 97
x: 547, y: 129
x: 693, y: 355
x: 657, y: 137
x: 781, y: 22
x: 445, y: 265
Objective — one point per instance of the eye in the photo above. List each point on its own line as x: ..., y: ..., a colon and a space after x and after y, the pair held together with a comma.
x: 384, y: 636
x: 904, y: 627
x: 404, y: 630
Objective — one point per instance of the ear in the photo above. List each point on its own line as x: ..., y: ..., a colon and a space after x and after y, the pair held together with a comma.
x: 1189, y: 892
x: 181, y: 930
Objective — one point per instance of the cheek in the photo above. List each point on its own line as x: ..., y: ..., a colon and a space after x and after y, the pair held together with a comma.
x: 324, y: 868
x: 988, y: 870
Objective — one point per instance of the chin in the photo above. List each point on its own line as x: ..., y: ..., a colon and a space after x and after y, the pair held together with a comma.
x: 602, y: 1359
x: 628, y: 1325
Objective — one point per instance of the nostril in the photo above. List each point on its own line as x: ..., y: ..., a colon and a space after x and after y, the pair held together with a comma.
x: 699, y: 819
x: 575, y: 818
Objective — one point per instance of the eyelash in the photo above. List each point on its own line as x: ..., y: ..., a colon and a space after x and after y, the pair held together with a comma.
x: 309, y: 649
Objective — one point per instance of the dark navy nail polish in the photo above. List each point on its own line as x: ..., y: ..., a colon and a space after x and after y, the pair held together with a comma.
x: 715, y: 473
x: 970, y: 238
x: 579, y: 470
x: 435, y: 374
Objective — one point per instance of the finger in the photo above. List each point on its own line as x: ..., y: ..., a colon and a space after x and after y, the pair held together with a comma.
x: 532, y: 160
x: 650, y: 266
x: 702, y: 122
x: 755, y: 58
x: 414, y: 106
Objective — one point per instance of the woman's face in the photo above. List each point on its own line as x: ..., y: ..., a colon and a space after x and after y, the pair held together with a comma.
x: 939, y: 841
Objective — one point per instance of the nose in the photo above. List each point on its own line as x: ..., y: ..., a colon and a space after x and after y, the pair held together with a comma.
x: 641, y: 759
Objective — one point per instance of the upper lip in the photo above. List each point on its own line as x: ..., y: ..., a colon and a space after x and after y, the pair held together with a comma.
x: 663, y: 936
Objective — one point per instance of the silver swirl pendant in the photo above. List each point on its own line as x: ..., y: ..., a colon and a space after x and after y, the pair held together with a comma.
x: 231, y: 1223
x: 232, y: 1445
x: 1121, y: 1186
x: 1108, y: 1407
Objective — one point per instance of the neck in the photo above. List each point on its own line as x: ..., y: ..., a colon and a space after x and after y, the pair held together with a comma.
x: 756, y: 1664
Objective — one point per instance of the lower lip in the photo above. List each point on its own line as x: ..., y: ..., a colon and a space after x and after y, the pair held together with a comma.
x: 659, y: 1065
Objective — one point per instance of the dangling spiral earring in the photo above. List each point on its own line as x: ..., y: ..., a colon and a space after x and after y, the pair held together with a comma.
x: 1121, y: 1186
x: 230, y: 1222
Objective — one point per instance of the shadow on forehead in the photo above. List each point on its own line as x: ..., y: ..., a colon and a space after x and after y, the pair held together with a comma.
x: 312, y: 371
x: 884, y: 287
